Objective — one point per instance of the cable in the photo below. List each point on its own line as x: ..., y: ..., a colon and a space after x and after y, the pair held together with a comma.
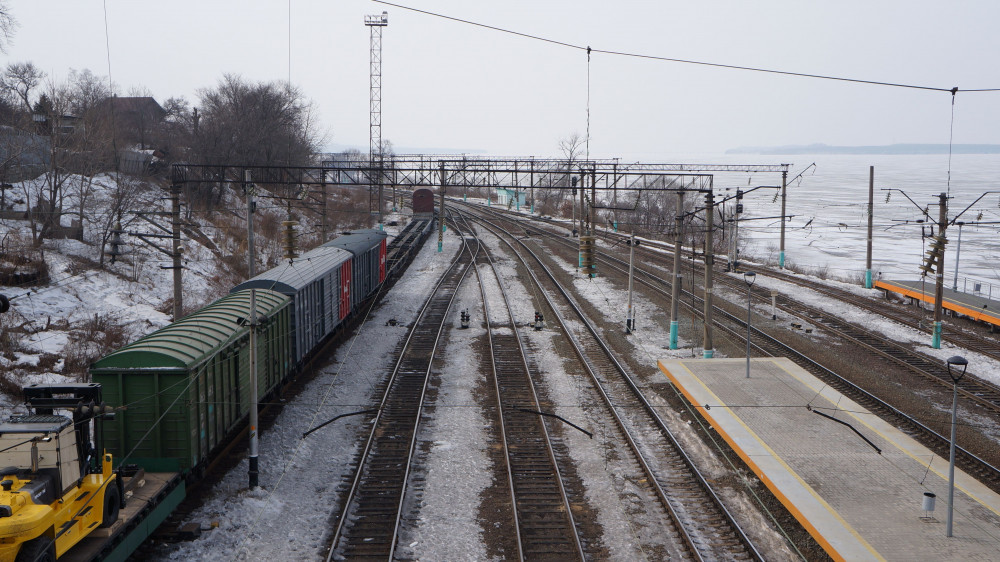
x: 951, y: 135
x: 685, y: 61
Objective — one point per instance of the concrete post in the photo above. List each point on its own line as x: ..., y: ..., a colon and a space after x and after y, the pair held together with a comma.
x: 939, y: 272
x: 708, y: 350
x: 175, y: 215
x: 871, y: 217
x: 675, y: 285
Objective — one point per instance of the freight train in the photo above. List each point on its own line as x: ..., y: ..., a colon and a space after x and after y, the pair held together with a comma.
x: 180, y: 395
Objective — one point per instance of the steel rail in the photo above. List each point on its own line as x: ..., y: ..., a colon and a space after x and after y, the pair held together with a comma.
x: 527, y: 540
x: 441, y: 297
x: 668, y: 500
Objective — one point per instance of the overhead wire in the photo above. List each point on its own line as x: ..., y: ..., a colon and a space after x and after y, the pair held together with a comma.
x: 589, y: 49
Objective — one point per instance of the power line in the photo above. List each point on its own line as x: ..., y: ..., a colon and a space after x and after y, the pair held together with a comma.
x: 687, y: 61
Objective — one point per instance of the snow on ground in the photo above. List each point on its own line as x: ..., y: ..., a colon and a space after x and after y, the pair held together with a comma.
x: 608, y: 488
x: 286, y: 517
x: 979, y: 365
x: 458, y: 468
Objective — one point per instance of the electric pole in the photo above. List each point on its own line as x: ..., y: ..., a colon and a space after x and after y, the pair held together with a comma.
x: 675, y: 286
x: 708, y: 351
x: 175, y: 215
x: 441, y: 211
x: 781, y: 249
x: 253, y: 471
x: 939, y: 271
x: 871, y: 216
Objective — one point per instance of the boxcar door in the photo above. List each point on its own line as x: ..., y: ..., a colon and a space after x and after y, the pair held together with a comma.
x: 345, y: 289
x: 381, y: 261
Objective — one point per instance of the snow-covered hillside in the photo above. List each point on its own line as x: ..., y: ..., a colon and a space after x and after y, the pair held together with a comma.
x: 54, y: 330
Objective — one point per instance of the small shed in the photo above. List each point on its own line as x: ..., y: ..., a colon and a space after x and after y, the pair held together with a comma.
x: 511, y: 197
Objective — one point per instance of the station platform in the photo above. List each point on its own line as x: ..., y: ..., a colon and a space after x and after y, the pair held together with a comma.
x: 971, y: 305
x: 859, y: 488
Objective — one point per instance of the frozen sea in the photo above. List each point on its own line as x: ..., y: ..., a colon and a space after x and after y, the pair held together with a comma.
x: 828, y: 227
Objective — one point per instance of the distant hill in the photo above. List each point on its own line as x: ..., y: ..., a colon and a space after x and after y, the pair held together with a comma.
x: 885, y: 149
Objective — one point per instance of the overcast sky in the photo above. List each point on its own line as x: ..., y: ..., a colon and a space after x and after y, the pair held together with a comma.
x: 448, y: 85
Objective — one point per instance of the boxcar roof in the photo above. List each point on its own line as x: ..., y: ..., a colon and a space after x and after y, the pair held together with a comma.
x: 189, y: 341
x: 289, y: 277
x: 358, y: 241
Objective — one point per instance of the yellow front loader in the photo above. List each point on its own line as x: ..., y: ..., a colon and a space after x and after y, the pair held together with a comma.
x: 53, y: 490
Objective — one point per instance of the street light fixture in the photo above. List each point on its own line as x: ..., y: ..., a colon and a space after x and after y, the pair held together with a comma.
x: 954, y: 363
x: 749, y: 277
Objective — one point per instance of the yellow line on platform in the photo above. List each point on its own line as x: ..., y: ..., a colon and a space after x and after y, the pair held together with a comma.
x: 757, y: 470
x: 973, y: 313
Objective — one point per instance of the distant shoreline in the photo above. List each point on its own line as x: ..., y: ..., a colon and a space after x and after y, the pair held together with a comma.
x: 885, y: 149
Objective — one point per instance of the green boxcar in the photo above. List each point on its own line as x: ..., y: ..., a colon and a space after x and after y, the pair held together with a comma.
x: 184, y: 388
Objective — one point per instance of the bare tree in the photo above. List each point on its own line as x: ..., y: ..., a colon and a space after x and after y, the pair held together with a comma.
x: 86, y: 91
x: 173, y: 135
x: 20, y: 79
x: 265, y: 123
x: 7, y: 26
x: 554, y: 200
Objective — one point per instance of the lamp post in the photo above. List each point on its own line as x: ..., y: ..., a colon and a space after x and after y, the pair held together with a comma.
x: 958, y: 252
x: 749, y: 277
x: 954, y: 363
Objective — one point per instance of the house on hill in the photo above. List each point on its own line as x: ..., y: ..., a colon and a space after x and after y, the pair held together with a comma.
x: 135, y: 118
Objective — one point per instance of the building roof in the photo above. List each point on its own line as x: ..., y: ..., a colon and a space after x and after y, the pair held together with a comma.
x: 142, y: 104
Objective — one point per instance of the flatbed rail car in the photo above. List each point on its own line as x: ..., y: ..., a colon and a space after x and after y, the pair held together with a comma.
x: 60, y: 497
x: 181, y: 394
x: 403, y: 248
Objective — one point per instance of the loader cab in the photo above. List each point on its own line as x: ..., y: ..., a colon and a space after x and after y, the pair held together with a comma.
x: 53, y: 489
x: 42, y: 448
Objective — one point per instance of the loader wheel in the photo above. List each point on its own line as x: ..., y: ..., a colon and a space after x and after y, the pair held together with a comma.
x: 41, y: 549
x: 112, y: 501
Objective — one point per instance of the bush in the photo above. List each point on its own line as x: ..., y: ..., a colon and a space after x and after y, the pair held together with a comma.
x: 96, y: 338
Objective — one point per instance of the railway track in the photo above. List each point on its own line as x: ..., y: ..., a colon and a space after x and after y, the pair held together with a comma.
x: 985, y: 346
x: 735, y: 328
x: 368, y: 522
x: 542, y: 512
x: 703, y: 526
x: 971, y: 388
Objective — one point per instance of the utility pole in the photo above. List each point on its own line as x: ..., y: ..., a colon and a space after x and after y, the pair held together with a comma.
x: 784, y: 186
x: 375, y: 155
x: 939, y: 271
x: 441, y: 211
x: 871, y: 217
x: 708, y: 351
x: 175, y: 215
x: 675, y: 286
x: 322, y: 202
x: 532, y: 178
x: 629, y: 315
x: 253, y: 471
x: 591, y: 213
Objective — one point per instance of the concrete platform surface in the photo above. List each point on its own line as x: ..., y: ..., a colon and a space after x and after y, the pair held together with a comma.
x: 974, y: 306
x: 858, y: 502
